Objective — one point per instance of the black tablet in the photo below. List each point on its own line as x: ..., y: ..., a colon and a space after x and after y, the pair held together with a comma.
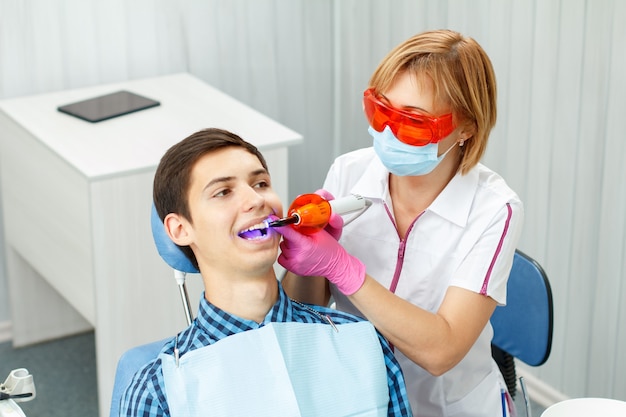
x: 108, y: 106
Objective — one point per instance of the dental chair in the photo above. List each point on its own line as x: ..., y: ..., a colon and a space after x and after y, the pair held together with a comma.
x: 523, y: 327
x: 133, y: 359
x: 17, y: 388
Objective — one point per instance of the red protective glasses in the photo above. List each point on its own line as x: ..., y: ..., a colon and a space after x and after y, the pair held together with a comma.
x: 411, y: 128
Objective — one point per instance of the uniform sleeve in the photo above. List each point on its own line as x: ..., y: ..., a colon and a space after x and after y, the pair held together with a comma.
x: 489, y: 261
x: 399, y: 405
x: 332, y: 181
x: 346, y: 170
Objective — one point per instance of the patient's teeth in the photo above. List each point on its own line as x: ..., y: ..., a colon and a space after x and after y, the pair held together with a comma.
x: 255, y: 232
x: 262, y: 225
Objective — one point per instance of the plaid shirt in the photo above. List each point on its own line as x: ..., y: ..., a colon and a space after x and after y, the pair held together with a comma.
x: 145, y: 397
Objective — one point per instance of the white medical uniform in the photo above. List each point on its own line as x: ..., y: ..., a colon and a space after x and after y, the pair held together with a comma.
x: 466, y: 238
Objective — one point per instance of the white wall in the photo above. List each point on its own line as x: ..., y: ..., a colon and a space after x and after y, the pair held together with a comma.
x: 559, y: 140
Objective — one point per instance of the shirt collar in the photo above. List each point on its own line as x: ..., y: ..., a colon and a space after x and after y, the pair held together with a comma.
x: 215, y: 321
x: 453, y: 203
x: 373, y: 182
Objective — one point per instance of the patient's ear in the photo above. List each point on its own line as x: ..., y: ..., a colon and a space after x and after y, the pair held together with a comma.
x: 178, y: 229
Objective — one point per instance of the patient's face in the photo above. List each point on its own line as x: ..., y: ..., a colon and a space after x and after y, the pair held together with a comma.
x: 230, y: 192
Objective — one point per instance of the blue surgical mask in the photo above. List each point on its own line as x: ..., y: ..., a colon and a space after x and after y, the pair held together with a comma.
x: 402, y: 159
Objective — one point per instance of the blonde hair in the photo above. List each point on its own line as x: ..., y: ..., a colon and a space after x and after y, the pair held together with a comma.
x: 463, y: 77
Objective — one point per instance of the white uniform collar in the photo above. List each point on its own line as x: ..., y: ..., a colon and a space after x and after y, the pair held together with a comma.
x: 454, y: 202
x: 374, y: 182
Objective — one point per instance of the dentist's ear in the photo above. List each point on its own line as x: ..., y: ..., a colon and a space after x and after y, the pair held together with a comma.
x: 469, y: 130
x: 465, y: 135
x: 176, y: 228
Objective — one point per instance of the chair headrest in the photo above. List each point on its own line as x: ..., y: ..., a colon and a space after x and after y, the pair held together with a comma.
x: 168, y: 250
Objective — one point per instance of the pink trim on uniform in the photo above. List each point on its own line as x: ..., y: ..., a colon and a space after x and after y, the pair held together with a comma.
x: 483, y: 290
x: 401, y: 250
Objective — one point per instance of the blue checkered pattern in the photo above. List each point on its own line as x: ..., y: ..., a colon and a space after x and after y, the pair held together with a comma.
x: 145, y: 396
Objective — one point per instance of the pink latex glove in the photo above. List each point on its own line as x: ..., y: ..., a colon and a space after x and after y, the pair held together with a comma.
x: 319, y: 254
x: 335, y: 223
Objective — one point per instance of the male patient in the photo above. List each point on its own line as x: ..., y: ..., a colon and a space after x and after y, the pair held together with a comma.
x: 251, y: 350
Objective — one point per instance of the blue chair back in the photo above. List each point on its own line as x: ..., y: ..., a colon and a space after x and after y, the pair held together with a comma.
x: 523, y: 328
x: 129, y: 363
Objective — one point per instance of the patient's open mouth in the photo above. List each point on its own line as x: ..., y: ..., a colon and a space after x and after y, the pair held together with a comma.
x: 258, y: 231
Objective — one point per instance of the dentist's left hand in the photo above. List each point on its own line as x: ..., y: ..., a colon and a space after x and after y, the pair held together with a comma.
x: 319, y: 254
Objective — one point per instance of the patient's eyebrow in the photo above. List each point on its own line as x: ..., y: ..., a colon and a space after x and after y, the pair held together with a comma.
x: 219, y: 180
x: 259, y: 172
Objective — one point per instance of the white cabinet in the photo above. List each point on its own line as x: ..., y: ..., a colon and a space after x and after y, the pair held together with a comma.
x: 76, y: 201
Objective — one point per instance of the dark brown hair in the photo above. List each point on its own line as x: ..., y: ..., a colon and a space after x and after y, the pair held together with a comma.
x: 172, y: 179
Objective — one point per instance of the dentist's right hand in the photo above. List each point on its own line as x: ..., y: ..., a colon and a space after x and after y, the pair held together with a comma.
x: 319, y: 254
x: 335, y: 223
